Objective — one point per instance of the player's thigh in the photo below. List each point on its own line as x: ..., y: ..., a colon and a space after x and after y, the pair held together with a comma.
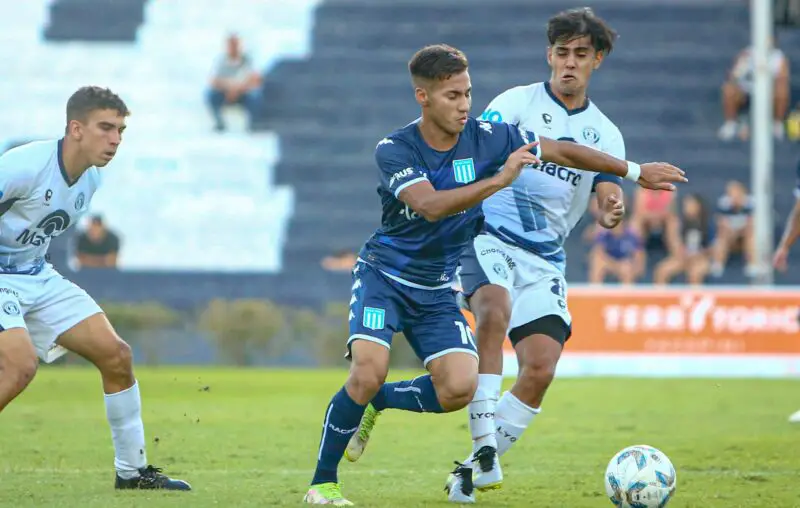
x: 437, y: 328
x: 17, y: 296
x: 18, y: 357
x: 440, y: 336
x: 375, y: 316
x: 65, y: 316
x: 540, y: 309
x: 95, y: 339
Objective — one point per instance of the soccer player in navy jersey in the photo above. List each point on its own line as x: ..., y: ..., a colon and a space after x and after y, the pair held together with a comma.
x: 434, y: 174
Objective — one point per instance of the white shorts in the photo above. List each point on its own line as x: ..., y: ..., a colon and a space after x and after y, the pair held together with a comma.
x: 45, y: 304
x: 537, y: 288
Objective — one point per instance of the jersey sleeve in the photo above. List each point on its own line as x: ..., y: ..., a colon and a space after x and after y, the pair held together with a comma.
x: 507, y: 139
x: 15, y: 177
x: 397, y: 166
x: 505, y: 108
x: 615, y: 146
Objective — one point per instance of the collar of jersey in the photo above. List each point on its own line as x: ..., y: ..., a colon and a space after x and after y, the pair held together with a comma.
x: 570, y: 112
x: 61, y: 164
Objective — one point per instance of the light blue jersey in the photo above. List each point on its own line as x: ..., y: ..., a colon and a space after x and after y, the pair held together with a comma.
x: 541, y: 208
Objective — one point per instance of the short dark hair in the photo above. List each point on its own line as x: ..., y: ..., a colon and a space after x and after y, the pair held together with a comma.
x: 437, y: 62
x: 91, y: 98
x: 574, y: 23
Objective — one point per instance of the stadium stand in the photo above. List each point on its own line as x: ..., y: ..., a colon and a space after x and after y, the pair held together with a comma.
x: 354, y: 88
x: 198, y: 210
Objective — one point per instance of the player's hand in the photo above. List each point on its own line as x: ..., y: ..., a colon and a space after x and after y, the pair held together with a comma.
x: 613, y: 209
x: 660, y: 176
x: 516, y: 161
x: 780, y: 260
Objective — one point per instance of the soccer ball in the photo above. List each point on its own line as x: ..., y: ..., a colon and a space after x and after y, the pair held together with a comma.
x: 640, y: 477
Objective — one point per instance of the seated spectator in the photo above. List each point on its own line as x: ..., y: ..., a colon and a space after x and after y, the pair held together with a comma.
x: 618, y: 252
x: 734, y: 231
x: 341, y: 261
x: 97, y: 246
x: 654, y: 218
x: 234, y: 82
x: 690, y: 253
x: 737, y: 89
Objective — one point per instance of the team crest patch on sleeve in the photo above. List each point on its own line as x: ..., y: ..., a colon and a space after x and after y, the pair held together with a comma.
x: 374, y: 319
x: 464, y: 170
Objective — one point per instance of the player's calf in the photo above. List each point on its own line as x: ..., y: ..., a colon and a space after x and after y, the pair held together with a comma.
x: 533, y: 381
x: 18, y: 364
x: 538, y: 351
x: 95, y: 339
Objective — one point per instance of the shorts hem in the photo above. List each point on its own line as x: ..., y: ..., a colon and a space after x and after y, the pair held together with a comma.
x: 447, y: 352
x: 369, y: 338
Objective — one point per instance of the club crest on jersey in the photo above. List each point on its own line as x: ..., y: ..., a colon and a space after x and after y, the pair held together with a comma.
x: 374, y: 319
x: 80, y: 201
x: 11, y: 308
x: 464, y: 170
x: 590, y: 135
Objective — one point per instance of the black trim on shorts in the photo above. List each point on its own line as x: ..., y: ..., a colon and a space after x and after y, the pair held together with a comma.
x: 551, y: 325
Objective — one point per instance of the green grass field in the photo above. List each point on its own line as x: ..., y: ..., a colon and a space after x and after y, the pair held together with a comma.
x: 249, y: 438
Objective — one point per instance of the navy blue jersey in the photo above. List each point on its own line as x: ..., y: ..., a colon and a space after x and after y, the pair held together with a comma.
x: 406, y: 245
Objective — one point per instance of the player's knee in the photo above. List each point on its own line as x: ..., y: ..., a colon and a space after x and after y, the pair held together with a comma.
x: 365, y: 379
x: 456, y: 391
x: 19, y: 368
x: 118, y: 362
x: 492, y: 321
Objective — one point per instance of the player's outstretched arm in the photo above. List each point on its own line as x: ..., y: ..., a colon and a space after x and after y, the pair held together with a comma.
x: 652, y: 175
x: 436, y: 205
x: 790, y: 236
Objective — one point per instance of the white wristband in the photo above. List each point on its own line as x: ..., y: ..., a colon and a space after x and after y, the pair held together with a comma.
x: 634, y: 172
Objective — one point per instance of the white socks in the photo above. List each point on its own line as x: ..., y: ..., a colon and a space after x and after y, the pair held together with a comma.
x: 124, y: 413
x: 481, y: 411
x: 512, y: 417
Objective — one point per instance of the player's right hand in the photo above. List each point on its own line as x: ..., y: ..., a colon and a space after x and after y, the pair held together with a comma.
x: 660, y: 176
x: 780, y: 259
x: 516, y: 161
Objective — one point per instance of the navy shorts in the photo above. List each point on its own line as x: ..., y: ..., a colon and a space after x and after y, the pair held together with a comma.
x: 430, y: 319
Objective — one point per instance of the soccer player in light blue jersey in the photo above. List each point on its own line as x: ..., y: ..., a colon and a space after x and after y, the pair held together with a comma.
x: 45, y: 188
x: 434, y: 173
x: 513, y: 276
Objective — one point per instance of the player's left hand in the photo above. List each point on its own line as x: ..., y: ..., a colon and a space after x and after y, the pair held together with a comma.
x: 613, y: 211
x: 660, y: 176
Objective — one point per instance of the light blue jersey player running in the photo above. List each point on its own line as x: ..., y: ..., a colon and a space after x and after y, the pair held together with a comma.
x: 434, y: 174
x: 513, y: 277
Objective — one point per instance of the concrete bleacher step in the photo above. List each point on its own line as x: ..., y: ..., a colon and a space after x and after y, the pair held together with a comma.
x: 665, y: 99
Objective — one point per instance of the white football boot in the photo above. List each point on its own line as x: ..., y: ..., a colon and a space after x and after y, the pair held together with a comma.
x: 487, y: 474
